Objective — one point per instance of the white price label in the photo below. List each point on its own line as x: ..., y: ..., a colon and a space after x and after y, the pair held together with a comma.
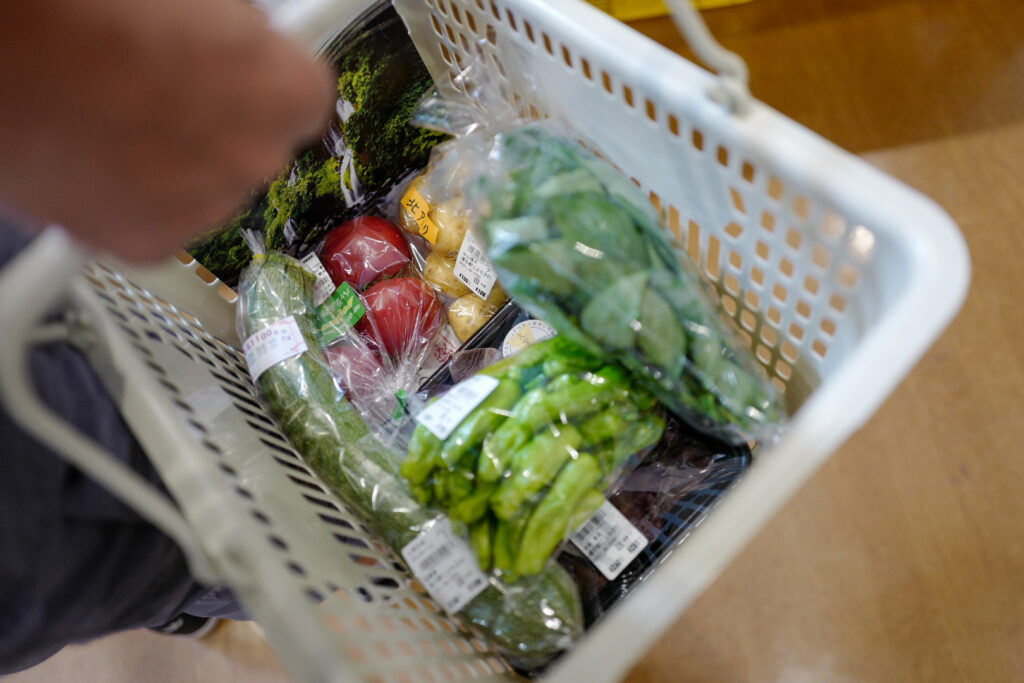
x: 271, y: 345
x: 609, y: 540
x: 324, y: 286
x: 474, y: 268
x: 446, y: 566
x: 443, y: 416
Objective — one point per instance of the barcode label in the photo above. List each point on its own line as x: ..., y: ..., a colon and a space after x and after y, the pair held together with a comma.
x: 474, y: 268
x: 609, y: 540
x: 446, y: 566
x: 273, y: 344
x: 324, y: 286
x: 443, y: 416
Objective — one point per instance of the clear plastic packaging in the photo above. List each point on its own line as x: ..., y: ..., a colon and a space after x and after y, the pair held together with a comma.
x: 433, y: 211
x: 657, y: 500
x: 523, y: 452
x: 529, y: 623
x: 662, y: 500
x: 378, y: 324
x: 577, y: 244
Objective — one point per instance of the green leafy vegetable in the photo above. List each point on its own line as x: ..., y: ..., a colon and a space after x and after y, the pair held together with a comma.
x: 580, y: 246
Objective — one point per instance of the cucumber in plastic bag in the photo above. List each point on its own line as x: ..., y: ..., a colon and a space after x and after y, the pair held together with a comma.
x: 528, y: 625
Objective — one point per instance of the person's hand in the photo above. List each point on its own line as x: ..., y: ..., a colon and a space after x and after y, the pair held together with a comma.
x: 138, y: 124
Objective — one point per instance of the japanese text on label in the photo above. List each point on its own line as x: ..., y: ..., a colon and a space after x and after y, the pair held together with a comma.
x: 324, y: 285
x: 524, y: 334
x: 609, y: 540
x: 446, y: 566
x: 339, y: 314
x: 275, y: 343
x: 419, y: 211
x: 474, y: 268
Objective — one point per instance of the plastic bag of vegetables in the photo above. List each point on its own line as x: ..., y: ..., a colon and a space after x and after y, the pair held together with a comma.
x: 433, y: 212
x: 378, y: 320
x: 529, y: 623
x: 577, y: 244
x: 523, y: 452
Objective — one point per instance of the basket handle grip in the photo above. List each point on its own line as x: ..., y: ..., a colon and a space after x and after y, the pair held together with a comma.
x: 32, y: 285
x: 35, y: 282
x: 732, y: 86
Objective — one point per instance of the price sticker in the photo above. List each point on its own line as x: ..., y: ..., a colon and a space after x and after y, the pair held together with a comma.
x: 474, y: 268
x: 609, y: 540
x: 446, y: 565
x: 444, y: 415
x: 273, y: 344
x: 324, y: 285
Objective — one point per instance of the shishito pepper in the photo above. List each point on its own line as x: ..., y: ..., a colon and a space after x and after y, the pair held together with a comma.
x: 561, y: 423
x: 550, y: 521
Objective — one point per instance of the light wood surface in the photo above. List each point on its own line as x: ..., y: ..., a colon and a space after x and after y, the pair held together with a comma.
x: 903, y: 558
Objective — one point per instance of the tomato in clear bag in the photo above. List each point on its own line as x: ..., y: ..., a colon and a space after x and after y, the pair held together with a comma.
x: 364, y: 249
x: 405, y: 315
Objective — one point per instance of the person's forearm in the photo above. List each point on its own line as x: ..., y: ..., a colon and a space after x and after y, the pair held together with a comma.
x: 136, y: 124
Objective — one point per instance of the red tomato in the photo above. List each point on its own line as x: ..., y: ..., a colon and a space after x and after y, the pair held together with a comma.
x: 405, y: 313
x: 363, y: 249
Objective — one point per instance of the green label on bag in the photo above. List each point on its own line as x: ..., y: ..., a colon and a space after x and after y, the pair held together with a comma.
x: 338, y: 314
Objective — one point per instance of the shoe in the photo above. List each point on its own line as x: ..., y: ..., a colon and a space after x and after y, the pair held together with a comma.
x: 188, y: 626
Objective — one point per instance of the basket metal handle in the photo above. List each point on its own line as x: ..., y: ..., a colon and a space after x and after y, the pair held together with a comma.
x: 732, y: 85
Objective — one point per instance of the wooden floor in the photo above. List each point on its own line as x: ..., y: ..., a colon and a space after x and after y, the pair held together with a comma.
x: 903, y: 558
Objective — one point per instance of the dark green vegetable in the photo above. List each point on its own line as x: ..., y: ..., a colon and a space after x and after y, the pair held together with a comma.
x: 641, y: 434
x: 529, y: 625
x: 580, y: 246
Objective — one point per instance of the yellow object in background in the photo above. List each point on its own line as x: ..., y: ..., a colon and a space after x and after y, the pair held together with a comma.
x: 628, y: 10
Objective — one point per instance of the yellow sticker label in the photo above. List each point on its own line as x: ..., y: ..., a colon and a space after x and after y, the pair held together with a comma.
x: 419, y: 211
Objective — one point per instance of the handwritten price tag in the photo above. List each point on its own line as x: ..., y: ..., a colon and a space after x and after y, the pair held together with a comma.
x: 273, y: 344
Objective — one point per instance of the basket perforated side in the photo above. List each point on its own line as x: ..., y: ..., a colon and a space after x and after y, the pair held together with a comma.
x: 785, y: 260
x: 382, y: 624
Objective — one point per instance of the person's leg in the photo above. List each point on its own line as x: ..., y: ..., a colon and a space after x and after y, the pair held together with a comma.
x: 75, y: 562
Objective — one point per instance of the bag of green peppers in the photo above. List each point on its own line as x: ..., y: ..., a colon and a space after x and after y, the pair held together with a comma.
x: 577, y: 244
x: 523, y: 453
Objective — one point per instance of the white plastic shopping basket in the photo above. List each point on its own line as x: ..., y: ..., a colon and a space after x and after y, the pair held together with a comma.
x: 838, y: 276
